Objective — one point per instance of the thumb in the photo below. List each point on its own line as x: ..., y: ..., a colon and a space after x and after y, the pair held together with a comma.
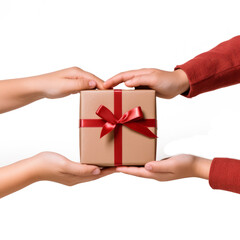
x: 92, y: 84
x: 86, y: 84
x: 159, y: 166
x: 92, y: 78
x: 77, y: 85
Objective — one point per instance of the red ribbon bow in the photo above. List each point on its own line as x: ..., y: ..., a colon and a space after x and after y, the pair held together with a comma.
x: 129, y: 119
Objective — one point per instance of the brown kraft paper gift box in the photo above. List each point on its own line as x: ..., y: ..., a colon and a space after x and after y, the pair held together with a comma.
x: 120, y: 146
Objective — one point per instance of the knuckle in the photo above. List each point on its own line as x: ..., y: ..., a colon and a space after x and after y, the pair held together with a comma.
x: 182, y: 155
x: 43, y: 154
x: 149, y: 70
x: 186, y: 156
x: 119, y: 77
x: 119, y: 74
x: 145, y: 69
x: 74, y: 70
x: 154, y: 70
x: 70, y: 184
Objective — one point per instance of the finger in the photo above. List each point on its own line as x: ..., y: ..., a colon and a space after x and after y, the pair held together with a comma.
x: 83, y: 170
x: 141, y: 80
x: 122, y: 77
x: 83, y: 79
x: 163, y: 166
x: 84, y: 84
x: 92, y: 77
x: 142, y: 172
x: 106, y: 172
x: 135, y: 171
x: 77, y: 85
x: 117, y: 79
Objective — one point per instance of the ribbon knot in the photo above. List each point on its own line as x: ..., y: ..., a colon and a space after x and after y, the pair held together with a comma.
x: 131, y: 119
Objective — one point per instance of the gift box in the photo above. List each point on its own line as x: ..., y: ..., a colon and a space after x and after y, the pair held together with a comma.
x: 117, y: 127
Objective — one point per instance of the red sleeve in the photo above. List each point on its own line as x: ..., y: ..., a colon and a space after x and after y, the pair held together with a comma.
x: 225, y: 174
x: 217, y: 68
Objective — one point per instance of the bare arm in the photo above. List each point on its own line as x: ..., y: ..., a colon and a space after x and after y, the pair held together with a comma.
x: 15, y: 93
x: 47, y: 166
x: 172, y: 168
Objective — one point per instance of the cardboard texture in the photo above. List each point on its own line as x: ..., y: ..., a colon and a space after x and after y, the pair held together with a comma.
x: 137, y: 149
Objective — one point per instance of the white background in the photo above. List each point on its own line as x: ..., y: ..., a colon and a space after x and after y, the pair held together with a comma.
x: 107, y: 37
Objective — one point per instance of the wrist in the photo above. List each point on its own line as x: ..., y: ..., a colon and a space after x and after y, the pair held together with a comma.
x: 39, y: 169
x: 32, y: 169
x: 34, y: 87
x: 201, y: 167
x: 182, y: 81
x: 44, y: 167
x: 28, y: 89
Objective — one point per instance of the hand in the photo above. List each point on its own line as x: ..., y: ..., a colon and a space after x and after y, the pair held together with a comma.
x: 57, y: 168
x: 166, y: 84
x: 65, y: 82
x: 15, y: 93
x: 176, y: 167
x: 47, y: 166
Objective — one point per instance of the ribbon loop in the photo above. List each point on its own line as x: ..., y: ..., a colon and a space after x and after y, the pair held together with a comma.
x: 133, y: 114
x: 104, y: 113
x: 131, y: 119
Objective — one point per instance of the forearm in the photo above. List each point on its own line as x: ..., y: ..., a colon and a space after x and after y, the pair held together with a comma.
x: 217, y: 68
x: 17, y: 176
x: 15, y: 93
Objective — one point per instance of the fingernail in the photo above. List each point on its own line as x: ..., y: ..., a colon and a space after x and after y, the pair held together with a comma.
x: 92, y: 83
x: 96, y: 171
x: 148, y: 167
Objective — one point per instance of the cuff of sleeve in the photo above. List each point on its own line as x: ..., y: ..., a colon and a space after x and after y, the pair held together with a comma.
x: 225, y: 174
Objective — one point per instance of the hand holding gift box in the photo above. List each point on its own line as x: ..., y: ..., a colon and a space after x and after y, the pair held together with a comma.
x: 117, y: 127
x: 120, y: 126
x: 167, y: 85
x: 50, y: 166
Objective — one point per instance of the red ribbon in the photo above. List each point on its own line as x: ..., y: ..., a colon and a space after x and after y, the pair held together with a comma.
x: 129, y: 119
x: 132, y: 119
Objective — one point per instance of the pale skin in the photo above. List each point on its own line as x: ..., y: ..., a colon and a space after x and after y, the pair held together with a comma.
x: 15, y: 93
x: 167, y: 85
x: 49, y: 166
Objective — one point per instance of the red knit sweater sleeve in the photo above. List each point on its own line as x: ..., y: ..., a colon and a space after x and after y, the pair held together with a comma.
x: 217, y: 68
x: 225, y: 174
